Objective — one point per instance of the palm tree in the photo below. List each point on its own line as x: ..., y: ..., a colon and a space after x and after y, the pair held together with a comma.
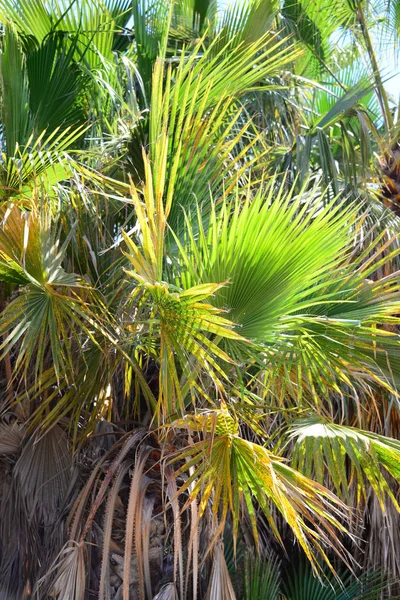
x: 198, y: 343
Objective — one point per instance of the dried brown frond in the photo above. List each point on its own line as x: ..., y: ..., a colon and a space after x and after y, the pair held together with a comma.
x: 220, y: 585
x: 168, y: 592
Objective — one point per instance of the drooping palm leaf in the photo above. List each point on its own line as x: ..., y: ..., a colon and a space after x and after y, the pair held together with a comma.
x: 233, y: 473
x: 49, y: 308
x: 326, y: 448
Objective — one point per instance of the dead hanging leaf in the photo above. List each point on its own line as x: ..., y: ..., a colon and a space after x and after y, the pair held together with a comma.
x: 11, y: 436
x: 220, y: 585
x: 168, y: 592
x: 43, y: 473
x: 137, y: 492
x: 68, y: 573
x: 108, y: 529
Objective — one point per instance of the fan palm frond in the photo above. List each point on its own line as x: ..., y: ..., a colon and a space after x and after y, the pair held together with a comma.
x: 261, y: 579
x: 301, y: 584
x: 313, y: 321
x: 234, y: 473
x: 321, y: 445
x: 43, y: 472
x: 49, y: 304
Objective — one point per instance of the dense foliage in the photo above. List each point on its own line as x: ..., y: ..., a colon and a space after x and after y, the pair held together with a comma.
x: 200, y: 291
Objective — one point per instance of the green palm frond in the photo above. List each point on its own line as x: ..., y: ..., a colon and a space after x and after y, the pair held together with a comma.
x: 247, y: 21
x: 151, y: 25
x: 261, y: 578
x: 253, y: 246
x: 41, y: 89
x: 233, y: 473
x: 92, y: 25
x: 191, y: 18
x: 300, y: 583
x: 56, y: 85
x: 326, y: 449
x: 295, y: 17
x: 32, y: 19
x: 184, y: 322
x: 314, y: 25
x: 45, y: 161
x: 195, y: 104
x: 15, y: 116
x: 52, y: 306
x: 194, y: 256
x: 42, y: 115
x: 317, y: 322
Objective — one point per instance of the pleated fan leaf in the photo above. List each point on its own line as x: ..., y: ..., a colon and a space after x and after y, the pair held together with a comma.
x: 11, y: 436
x: 43, y: 472
x: 296, y: 290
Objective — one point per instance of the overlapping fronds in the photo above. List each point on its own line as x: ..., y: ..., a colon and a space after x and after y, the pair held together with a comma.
x: 295, y: 287
x: 233, y: 473
x: 246, y: 238
x: 50, y: 307
x: 185, y: 323
x: 93, y: 26
x: 194, y: 102
x: 184, y: 251
x: 41, y: 114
